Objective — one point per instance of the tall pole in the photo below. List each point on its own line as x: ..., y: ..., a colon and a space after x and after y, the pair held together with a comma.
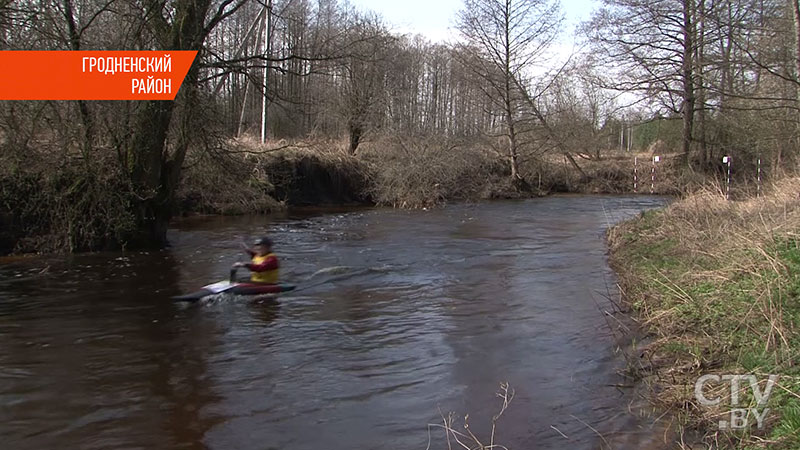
x: 268, y: 21
x: 238, y: 53
x: 244, y: 104
x: 248, y: 81
x: 759, y: 177
x: 653, y: 174
x: 727, y: 161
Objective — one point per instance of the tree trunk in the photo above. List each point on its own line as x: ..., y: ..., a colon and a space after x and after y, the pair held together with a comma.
x: 355, y: 139
x: 147, y: 168
x: 687, y: 80
x: 705, y: 158
x: 154, y: 167
x: 796, y: 15
x: 574, y: 163
x: 83, y: 107
x: 514, y: 158
x: 516, y: 178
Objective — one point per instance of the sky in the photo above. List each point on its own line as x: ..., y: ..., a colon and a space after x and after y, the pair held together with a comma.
x: 434, y: 18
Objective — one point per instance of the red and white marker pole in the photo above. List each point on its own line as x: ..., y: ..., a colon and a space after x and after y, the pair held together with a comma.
x: 727, y: 160
x: 653, y: 174
x: 758, y: 194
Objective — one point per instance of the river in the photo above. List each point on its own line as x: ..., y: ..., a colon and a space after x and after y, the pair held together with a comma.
x: 399, y: 315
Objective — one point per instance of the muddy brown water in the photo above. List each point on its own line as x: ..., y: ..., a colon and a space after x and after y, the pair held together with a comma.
x: 413, y: 313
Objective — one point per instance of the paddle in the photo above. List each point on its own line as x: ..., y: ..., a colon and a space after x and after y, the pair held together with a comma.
x: 210, y: 289
x: 224, y: 285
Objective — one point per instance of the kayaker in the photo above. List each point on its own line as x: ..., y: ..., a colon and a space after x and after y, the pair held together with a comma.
x: 264, y: 264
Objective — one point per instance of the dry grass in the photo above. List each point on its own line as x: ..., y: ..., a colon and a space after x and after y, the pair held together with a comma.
x: 398, y: 171
x: 715, y: 283
x: 467, y: 439
x: 426, y: 171
x: 613, y: 173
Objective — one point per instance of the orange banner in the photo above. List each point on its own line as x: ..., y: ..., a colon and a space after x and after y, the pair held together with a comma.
x: 93, y: 75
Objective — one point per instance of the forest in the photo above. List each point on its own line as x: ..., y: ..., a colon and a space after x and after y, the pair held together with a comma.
x: 289, y: 99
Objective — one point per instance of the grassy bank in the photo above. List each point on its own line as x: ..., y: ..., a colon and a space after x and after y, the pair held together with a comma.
x: 715, y: 286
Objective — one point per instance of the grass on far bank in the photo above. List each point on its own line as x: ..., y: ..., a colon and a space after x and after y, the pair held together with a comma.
x: 715, y: 285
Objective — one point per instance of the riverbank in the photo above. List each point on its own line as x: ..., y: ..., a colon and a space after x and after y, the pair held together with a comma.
x: 87, y: 204
x: 409, y: 173
x: 715, y: 288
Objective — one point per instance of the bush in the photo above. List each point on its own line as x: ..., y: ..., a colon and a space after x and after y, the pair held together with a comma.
x: 424, y: 172
x: 224, y: 183
x: 72, y: 209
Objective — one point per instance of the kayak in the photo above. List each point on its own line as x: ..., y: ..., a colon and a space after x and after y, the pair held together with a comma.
x: 235, y: 288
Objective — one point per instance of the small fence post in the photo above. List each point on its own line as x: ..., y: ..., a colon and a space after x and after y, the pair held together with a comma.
x: 635, y: 174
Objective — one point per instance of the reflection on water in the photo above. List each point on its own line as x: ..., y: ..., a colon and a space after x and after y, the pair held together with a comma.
x: 413, y: 312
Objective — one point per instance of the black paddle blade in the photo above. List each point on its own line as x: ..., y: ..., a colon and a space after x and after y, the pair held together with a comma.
x: 193, y: 297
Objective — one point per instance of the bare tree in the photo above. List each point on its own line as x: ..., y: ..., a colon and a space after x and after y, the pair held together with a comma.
x: 508, y: 38
x: 578, y: 108
x: 649, y: 46
x: 364, y: 73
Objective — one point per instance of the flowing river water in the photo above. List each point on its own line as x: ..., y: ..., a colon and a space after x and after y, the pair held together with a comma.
x: 400, y: 316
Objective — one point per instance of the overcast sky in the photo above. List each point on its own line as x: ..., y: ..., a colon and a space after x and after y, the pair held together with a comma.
x: 434, y: 18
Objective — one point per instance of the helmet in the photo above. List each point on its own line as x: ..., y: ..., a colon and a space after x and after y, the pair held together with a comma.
x: 265, y: 241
